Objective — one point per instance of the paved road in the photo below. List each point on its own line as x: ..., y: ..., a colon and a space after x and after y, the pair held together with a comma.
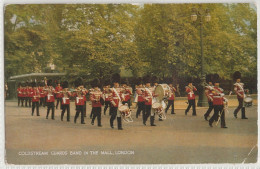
x: 178, y: 140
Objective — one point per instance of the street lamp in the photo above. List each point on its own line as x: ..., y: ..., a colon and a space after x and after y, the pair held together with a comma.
x: 200, y: 13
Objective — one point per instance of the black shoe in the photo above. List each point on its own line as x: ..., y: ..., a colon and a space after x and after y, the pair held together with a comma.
x: 120, y: 128
x: 160, y: 120
x: 38, y: 115
x: 53, y: 118
x: 83, y: 123
x: 235, y: 115
x: 173, y: 113
x: 144, y: 123
x: 112, y: 127
x: 244, y: 118
x: 99, y: 125
x: 224, y: 127
x: 92, y: 123
x: 194, y: 114
x: 210, y: 124
x: 153, y: 125
x: 206, y: 118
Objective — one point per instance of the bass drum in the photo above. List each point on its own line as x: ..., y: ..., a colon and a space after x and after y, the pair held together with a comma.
x: 162, y: 91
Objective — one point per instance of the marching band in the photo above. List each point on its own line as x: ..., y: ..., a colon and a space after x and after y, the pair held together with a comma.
x: 150, y: 100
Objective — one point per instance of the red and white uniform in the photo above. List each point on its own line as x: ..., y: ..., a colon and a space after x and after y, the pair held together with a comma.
x: 148, y: 95
x: 95, y: 97
x: 58, y: 90
x: 35, y: 95
x: 126, y: 94
x: 239, y: 89
x: 106, y: 94
x: 172, y: 93
x: 140, y: 93
x: 115, y: 96
x: 20, y: 92
x: 218, y: 96
x: 208, y: 92
x: 65, y: 98
x: 50, y: 94
x: 191, y: 95
x: 42, y: 93
x: 79, y: 101
x: 30, y: 92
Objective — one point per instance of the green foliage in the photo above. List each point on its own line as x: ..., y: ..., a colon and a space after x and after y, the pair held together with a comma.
x: 96, y: 40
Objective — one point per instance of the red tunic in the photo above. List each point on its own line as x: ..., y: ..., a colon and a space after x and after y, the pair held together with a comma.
x: 115, y: 98
x: 95, y: 98
x: 140, y: 93
x: 126, y: 95
x: 65, y: 98
x: 191, y: 95
x: 19, y: 92
x: 79, y: 101
x: 172, y: 93
x: 208, y: 92
x: 218, y: 96
x: 58, y: 91
x: 148, y: 95
x: 23, y: 90
x: 106, y: 94
x: 35, y: 95
x: 50, y: 95
x: 239, y: 89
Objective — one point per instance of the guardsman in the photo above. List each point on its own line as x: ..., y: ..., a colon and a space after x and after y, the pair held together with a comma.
x: 27, y: 95
x: 42, y: 94
x: 19, y: 94
x: 58, y: 91
x: 126, y: 93
x: 79, y: 101
x: 139, y: 98
x: 50, y: 99
x: 148, y: 97
x: 35, y: 98
x: 218, y: 103
x: 171, y: 97
x: 106, y: 93
x: 116, y: 100
x: 23, y: 90
x: 97, y: 100
x: 239, y: 90
x: 208, y: 90
x: 190, y: 89
x: 65, y: 100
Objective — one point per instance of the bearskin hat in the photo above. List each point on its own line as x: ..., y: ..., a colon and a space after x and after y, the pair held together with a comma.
x: 58, y: 82
x: 78, y: 82
x: 189, y: 80
x: 65, y: 84
x: 209, y: 78
x: 33, y: 84
x: 95, y: 83
x: 123, y: 81
x: 138, y: 81
x: 168, y: 80
x: 215, y: 78
x: 107, y: 82
x: 155, y: 79
x: 49, y: 82
x: 116, y: 78
x: 147, y: 79
x: 19, y: 84
x: 237, y: 75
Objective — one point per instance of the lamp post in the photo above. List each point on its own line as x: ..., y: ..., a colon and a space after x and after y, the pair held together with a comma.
x: 200, y: 13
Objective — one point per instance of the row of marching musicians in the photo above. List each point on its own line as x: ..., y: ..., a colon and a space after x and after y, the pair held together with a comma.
x: 219, y: 103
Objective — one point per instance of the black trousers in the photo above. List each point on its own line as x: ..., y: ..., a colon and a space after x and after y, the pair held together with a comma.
x: 85, y: 109
x: 59, y: 100
x: 19, y: 101
x: 50, y: 105
x: 240, y: 105
x: 209, y: 109
x: 42, y: 101
x: 140, y: 108
x: 79, y: 109
x: 113, y: 115
x: 96, y: 113
x: 35, y: 104
x: 147, y: 113
x: 65, y: 107
x: 191, y: 103
x: 170, y: 103
x: 107, y: 103
x: 218, y: 109
x: 28, y: 100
